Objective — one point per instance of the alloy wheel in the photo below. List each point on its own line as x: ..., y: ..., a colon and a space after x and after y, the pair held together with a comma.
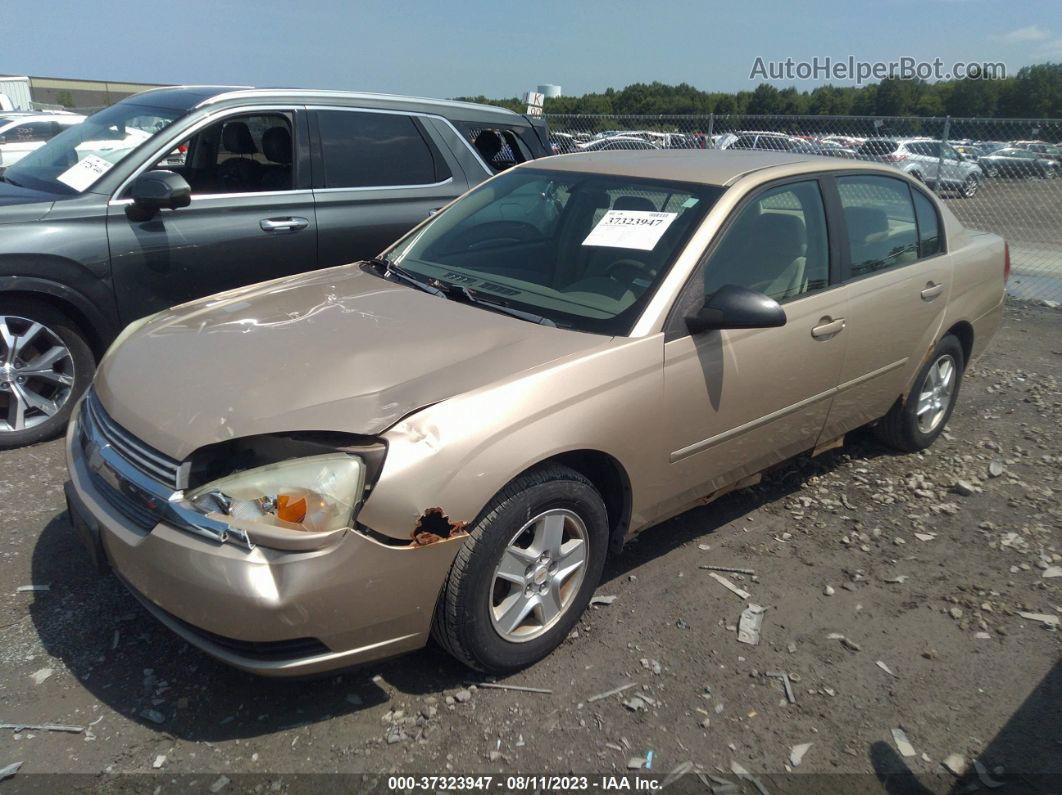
x: 36, y: 373
x: 539, y: 575
x: 935, y: 394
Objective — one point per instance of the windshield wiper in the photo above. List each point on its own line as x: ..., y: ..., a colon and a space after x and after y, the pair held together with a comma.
x: 389, y: 269
x: 473, y: 298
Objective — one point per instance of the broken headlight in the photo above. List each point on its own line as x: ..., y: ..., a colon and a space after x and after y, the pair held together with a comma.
x: 314, y: 494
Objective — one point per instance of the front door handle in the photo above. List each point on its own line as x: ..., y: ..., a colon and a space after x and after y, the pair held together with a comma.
x: 827, y: 328
x: 931, y: 291
x: 292, y: 224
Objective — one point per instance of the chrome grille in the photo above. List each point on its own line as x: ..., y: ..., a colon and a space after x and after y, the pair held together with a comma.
x: 148, y: 460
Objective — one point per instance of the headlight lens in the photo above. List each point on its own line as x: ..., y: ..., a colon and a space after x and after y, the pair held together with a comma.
x: 314, y: 494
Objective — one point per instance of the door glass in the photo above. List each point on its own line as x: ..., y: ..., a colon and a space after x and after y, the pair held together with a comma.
x: 881, y: 223
x: 364, y: 150
x: 777, y: 245
x: 928, y: 226
x: 239, y: 154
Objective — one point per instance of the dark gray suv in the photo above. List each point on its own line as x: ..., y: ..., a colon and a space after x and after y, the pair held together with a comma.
x: 181, y: 192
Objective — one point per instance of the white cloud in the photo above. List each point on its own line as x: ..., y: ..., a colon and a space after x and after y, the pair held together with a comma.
x: 1024, y: 35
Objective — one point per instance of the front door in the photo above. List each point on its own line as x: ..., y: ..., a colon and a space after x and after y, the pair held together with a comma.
x: 741, y: 400
x: 251, y: 217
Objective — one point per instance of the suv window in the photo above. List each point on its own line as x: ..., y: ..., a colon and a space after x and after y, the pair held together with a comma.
x: 776, y: 245
x: 238, y: 154
x: 881, y: 223
x: 928, y: 225
x: 368, y: 150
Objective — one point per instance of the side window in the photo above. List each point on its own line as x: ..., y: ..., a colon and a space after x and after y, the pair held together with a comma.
x: 250, y: 153
x: 928, y: 226
x: 881, y: 223
x: 777, y: 245
x: 31, y: 132
x: 367, y: 150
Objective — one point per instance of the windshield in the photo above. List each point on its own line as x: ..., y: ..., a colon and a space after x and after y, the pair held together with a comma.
x: 585, y: 251
x: 75, y: 158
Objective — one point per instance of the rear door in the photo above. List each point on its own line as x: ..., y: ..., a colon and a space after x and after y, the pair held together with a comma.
x: 740, y: 400
x: 897, y: 279
x: 377, y: 174
x: 251, y: 217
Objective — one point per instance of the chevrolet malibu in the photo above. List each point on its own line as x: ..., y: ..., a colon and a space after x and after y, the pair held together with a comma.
x: 450, y: 439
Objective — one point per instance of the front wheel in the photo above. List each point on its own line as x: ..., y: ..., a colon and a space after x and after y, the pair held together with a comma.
x: 969, y: 187
x: 45, y: 365
x: 915, y: 423
x: 526, y: 572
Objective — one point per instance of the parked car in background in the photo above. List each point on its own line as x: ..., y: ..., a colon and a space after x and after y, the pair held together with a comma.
x: 921, y: 159
x: 1019, y: 163
x: 823, y: 149
x: 770, y: 141
x: 846, y: 141
x: 180, y: 192
x: 1041, y: 148
x: 618, y: 142
x: 258, y: 466
x: 988, y: 147
x: 21, y: 133
x: 562, y: 143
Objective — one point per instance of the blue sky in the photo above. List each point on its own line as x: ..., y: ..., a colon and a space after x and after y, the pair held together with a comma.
x: 498, y: 48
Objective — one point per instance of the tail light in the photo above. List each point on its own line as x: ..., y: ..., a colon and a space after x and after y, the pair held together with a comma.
x: 182, y: 148
x: 1006, y: 261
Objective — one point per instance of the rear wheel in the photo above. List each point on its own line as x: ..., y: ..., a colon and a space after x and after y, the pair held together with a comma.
x: 45, y: 365
x: 969, y: 187
x: 526, y: 573
x: 914, y: 424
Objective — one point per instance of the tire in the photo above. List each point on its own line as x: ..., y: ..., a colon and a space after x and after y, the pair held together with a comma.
x: 969, y: 187
x: 471, y: 615
x: 901, y: 427
x: 35, y: 402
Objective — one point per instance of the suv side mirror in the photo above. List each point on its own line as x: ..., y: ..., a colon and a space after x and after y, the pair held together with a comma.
x: 157, y: 190
x: 732, y: 307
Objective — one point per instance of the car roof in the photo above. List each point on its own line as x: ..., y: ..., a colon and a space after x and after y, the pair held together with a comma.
x: 188, y: 97
x: 708, y: 166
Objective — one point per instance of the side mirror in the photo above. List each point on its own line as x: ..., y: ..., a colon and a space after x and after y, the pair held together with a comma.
x: 732, y: 307
x: 157, y: 190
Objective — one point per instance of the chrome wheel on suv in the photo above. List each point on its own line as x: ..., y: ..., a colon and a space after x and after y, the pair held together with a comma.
x: 970, y: 186
x: 45, y: 365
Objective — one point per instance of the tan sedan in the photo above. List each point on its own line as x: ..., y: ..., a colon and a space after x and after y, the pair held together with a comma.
x: 326, y: 469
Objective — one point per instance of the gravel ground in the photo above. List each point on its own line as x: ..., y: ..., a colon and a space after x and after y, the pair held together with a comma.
x: 894, y: 589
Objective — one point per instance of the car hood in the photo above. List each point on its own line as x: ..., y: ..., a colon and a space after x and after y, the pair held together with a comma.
x: 339, y: 349
x: 23, y: 204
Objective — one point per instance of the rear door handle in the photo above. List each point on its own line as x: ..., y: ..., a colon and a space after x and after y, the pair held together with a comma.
x: 827, y: 328
x: 931, y: 291
x: 292, y: 224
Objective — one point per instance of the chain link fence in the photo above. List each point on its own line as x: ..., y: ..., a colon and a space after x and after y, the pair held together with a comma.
x: 998, y: 175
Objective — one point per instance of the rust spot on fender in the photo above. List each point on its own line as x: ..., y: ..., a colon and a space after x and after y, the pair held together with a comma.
x: 435, y: 526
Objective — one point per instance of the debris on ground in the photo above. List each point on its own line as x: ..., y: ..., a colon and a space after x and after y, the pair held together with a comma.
x: 985, y: 779
x: 38, y: 677
x: 521, y: 688
x: 956, y: 763
x: 160, y: 760
x: 729, y: 569
x: 885, y: 668
x: 1044, y: 618
x: 796, y: 753
x: 29, y: 588
x: 652, y: 665
x: 1051, y: 571
x: 463, y: 696
x: 636, y: 763
x: 9, y: 770
x: 786, y: 683
x: 829, y: 590
x: 677, y: 772
x: 613, y: 692
x: 719, y: 578
x: 219, y: 784
x: 750, y: 624
x: 603, y: 600
x: 742, y: 773
x: 42, y: 727
x: 903, y: 745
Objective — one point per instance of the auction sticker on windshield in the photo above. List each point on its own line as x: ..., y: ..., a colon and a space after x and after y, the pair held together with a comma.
x: 84, y: 172
x: 630, y: 229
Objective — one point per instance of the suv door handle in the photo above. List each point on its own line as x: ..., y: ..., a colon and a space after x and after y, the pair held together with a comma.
x: 283, y: 224
x: 827, y: 328
x: 931, y: 291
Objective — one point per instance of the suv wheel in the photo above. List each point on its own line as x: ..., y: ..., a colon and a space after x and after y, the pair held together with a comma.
x: 526, y: 573
x: 914, y: 424
x: 45, y: 365
x: 969, y: 186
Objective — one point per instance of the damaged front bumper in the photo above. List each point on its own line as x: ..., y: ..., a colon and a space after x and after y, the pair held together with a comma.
x: 267, y: 611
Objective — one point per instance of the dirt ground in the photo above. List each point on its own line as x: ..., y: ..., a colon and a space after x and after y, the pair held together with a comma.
x: 894, y: 588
